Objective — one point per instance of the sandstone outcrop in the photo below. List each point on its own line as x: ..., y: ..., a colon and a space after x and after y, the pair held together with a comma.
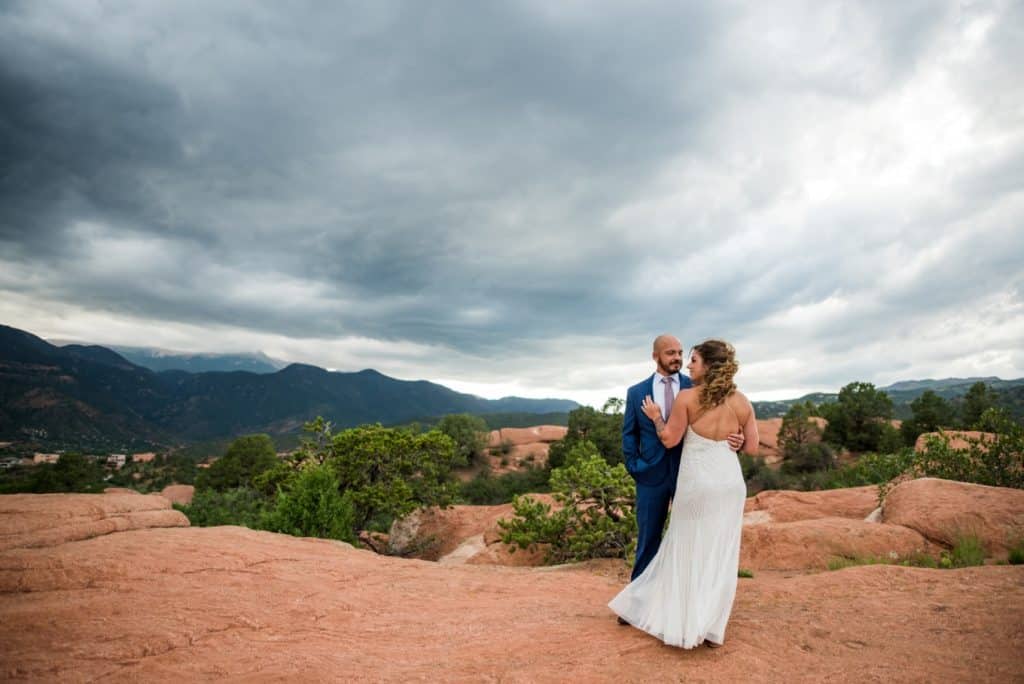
x: 943, y: 510
x: 40, y: 520
x: 958, y: 439
x: 788, y: 506
x: 195, y: 604
x: 503, y: 554
x: 528, y: 435
x: 433, y: 533
x: 811, y: 544
x: 515, y: 449
x: 178, y: 493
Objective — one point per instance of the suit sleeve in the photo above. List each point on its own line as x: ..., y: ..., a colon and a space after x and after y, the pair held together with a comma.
x: 630, y: 432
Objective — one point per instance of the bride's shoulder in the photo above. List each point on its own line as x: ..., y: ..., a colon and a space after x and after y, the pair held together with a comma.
x: 740, y: 403
x: 738, y: 399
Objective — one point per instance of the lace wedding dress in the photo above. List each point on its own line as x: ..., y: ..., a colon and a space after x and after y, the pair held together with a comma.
x: 685, y: 595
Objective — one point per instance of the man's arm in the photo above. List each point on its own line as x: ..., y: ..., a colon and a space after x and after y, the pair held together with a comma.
x: 630, y: 432
x: 750, y: 433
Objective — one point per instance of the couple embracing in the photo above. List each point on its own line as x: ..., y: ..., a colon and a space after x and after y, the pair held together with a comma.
x: 679, y: 436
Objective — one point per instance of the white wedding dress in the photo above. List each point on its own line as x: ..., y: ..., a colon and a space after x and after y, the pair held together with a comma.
x: 685, y: 595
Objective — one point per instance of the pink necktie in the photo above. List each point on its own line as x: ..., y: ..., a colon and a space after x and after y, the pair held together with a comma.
x: 668, y: 396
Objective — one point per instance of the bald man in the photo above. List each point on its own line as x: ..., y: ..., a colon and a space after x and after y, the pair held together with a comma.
x: 653, y: 466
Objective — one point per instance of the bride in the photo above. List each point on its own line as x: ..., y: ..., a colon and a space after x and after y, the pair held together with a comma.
x: 685, y: 595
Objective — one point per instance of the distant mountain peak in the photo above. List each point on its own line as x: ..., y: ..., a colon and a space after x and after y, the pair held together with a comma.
x: 929, y: 383
x: 303, y: 368
x: 94, y: 352
x: 159, y: 360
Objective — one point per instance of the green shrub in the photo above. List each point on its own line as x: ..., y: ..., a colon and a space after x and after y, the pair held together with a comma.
x: 311, y: 506
x: 967, y: 551
x: 602, y: 429
x: 800, y: 443
x: 239, y: 506
x: 743, y: 572
x: 979, y: 399
x: 840, y: 562
x: 246, y: 458
x: 808, y: 458
x: 916, y: 560
x: 758, y: 475
x: 871, y: 468
x: 1016, y: 555
x: 921, y: 560
x: 859, y: 419
x: 597, y: 518
x: 486, y: 490
x: 997, y: 461
x: 274, y: 478
x: 390, y: 472
x: 73, y: 472
x: 469, y: 434
x: 890, y: 440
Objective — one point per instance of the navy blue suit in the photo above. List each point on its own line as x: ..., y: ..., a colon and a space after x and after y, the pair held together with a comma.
x: 654, y: 468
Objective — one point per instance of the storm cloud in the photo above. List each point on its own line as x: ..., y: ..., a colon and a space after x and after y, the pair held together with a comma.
x: 519, y: 196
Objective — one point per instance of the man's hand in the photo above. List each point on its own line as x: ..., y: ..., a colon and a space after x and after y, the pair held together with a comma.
x: 736, y: 440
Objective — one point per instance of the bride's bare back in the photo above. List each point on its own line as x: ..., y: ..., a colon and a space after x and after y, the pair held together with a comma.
x: 717, y: 424
x: 735, y: 414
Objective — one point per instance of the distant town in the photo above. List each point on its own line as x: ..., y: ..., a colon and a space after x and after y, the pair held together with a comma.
x: 111, y: 461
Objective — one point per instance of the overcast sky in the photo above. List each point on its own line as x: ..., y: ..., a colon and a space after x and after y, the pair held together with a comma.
x: 516, y: 197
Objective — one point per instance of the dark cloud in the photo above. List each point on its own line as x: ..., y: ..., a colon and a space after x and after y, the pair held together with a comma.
x: 487, y: 176
x: 76, y: 133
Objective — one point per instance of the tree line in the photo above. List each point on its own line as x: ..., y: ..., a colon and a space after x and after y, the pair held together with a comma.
x: 336, y: 484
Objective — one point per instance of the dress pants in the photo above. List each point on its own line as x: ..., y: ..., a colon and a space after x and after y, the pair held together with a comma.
x: 652, y: 503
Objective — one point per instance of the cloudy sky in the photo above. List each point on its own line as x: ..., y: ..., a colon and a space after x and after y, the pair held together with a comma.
x: 516, y: 197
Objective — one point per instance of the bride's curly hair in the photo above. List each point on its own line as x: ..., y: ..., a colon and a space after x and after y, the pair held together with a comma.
x: 720, y: 361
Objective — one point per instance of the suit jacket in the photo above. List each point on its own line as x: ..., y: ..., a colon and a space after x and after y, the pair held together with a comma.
x: 647, y: 459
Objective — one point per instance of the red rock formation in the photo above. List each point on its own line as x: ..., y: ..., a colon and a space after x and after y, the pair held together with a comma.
x: 942, y: 510
x: 787, y: 506
x: 31, y: 520
x: 195, y: 604
x: 811, y: 544
x: 432, y: 533
x: 375, y: 541
x: 958, y: 439
x: 503, y: 554
x: 518, y: 449
x: 528, y: 435
x: 178, y: 493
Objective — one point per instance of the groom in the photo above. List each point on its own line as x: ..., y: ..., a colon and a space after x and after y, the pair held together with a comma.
x: 652, y: 465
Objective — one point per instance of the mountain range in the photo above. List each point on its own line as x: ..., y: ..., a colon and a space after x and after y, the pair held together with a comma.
x: 162, y: 360
x: 1010, y: 394
x: 91, y: 395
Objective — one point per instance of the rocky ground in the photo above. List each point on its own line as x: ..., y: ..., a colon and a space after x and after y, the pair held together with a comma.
x: 88, y: 589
